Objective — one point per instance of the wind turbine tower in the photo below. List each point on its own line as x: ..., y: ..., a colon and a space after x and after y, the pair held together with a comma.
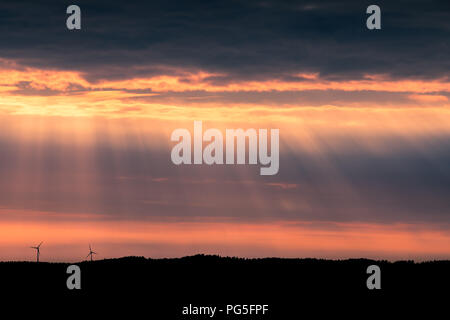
x: 91, y: 252
x: 37, y: 251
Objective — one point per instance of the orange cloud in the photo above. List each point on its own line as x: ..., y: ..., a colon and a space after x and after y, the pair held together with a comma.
x: 32, y: 91
x: 11, y: 75
x: 284, y: 186
x: 428, y: 98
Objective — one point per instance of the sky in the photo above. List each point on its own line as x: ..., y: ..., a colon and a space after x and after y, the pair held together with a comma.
x: 86, y: 119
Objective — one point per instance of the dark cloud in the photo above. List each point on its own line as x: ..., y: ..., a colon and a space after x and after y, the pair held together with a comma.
x: 280, y: 98
x: 243, y: 39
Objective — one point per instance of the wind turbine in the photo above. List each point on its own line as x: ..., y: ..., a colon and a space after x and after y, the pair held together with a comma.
x: 37, y: 251
x: 91, y: 252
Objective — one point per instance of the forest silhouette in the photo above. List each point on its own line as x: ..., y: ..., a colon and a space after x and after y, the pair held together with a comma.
x: 290, y: 287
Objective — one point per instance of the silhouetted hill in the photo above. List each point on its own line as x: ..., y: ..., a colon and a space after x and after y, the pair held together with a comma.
x: 289, y: 286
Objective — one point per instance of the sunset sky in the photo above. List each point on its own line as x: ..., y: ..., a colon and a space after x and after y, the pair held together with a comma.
x: 86, y: 118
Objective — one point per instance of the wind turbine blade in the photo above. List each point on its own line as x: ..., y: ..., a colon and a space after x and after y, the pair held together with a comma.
x: 88, y: 255
x: 40, y: 243
x: 94, y: 252
x: 90, y: 248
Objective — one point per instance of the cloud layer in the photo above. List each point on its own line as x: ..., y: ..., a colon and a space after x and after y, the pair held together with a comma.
x: 235, y: 39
